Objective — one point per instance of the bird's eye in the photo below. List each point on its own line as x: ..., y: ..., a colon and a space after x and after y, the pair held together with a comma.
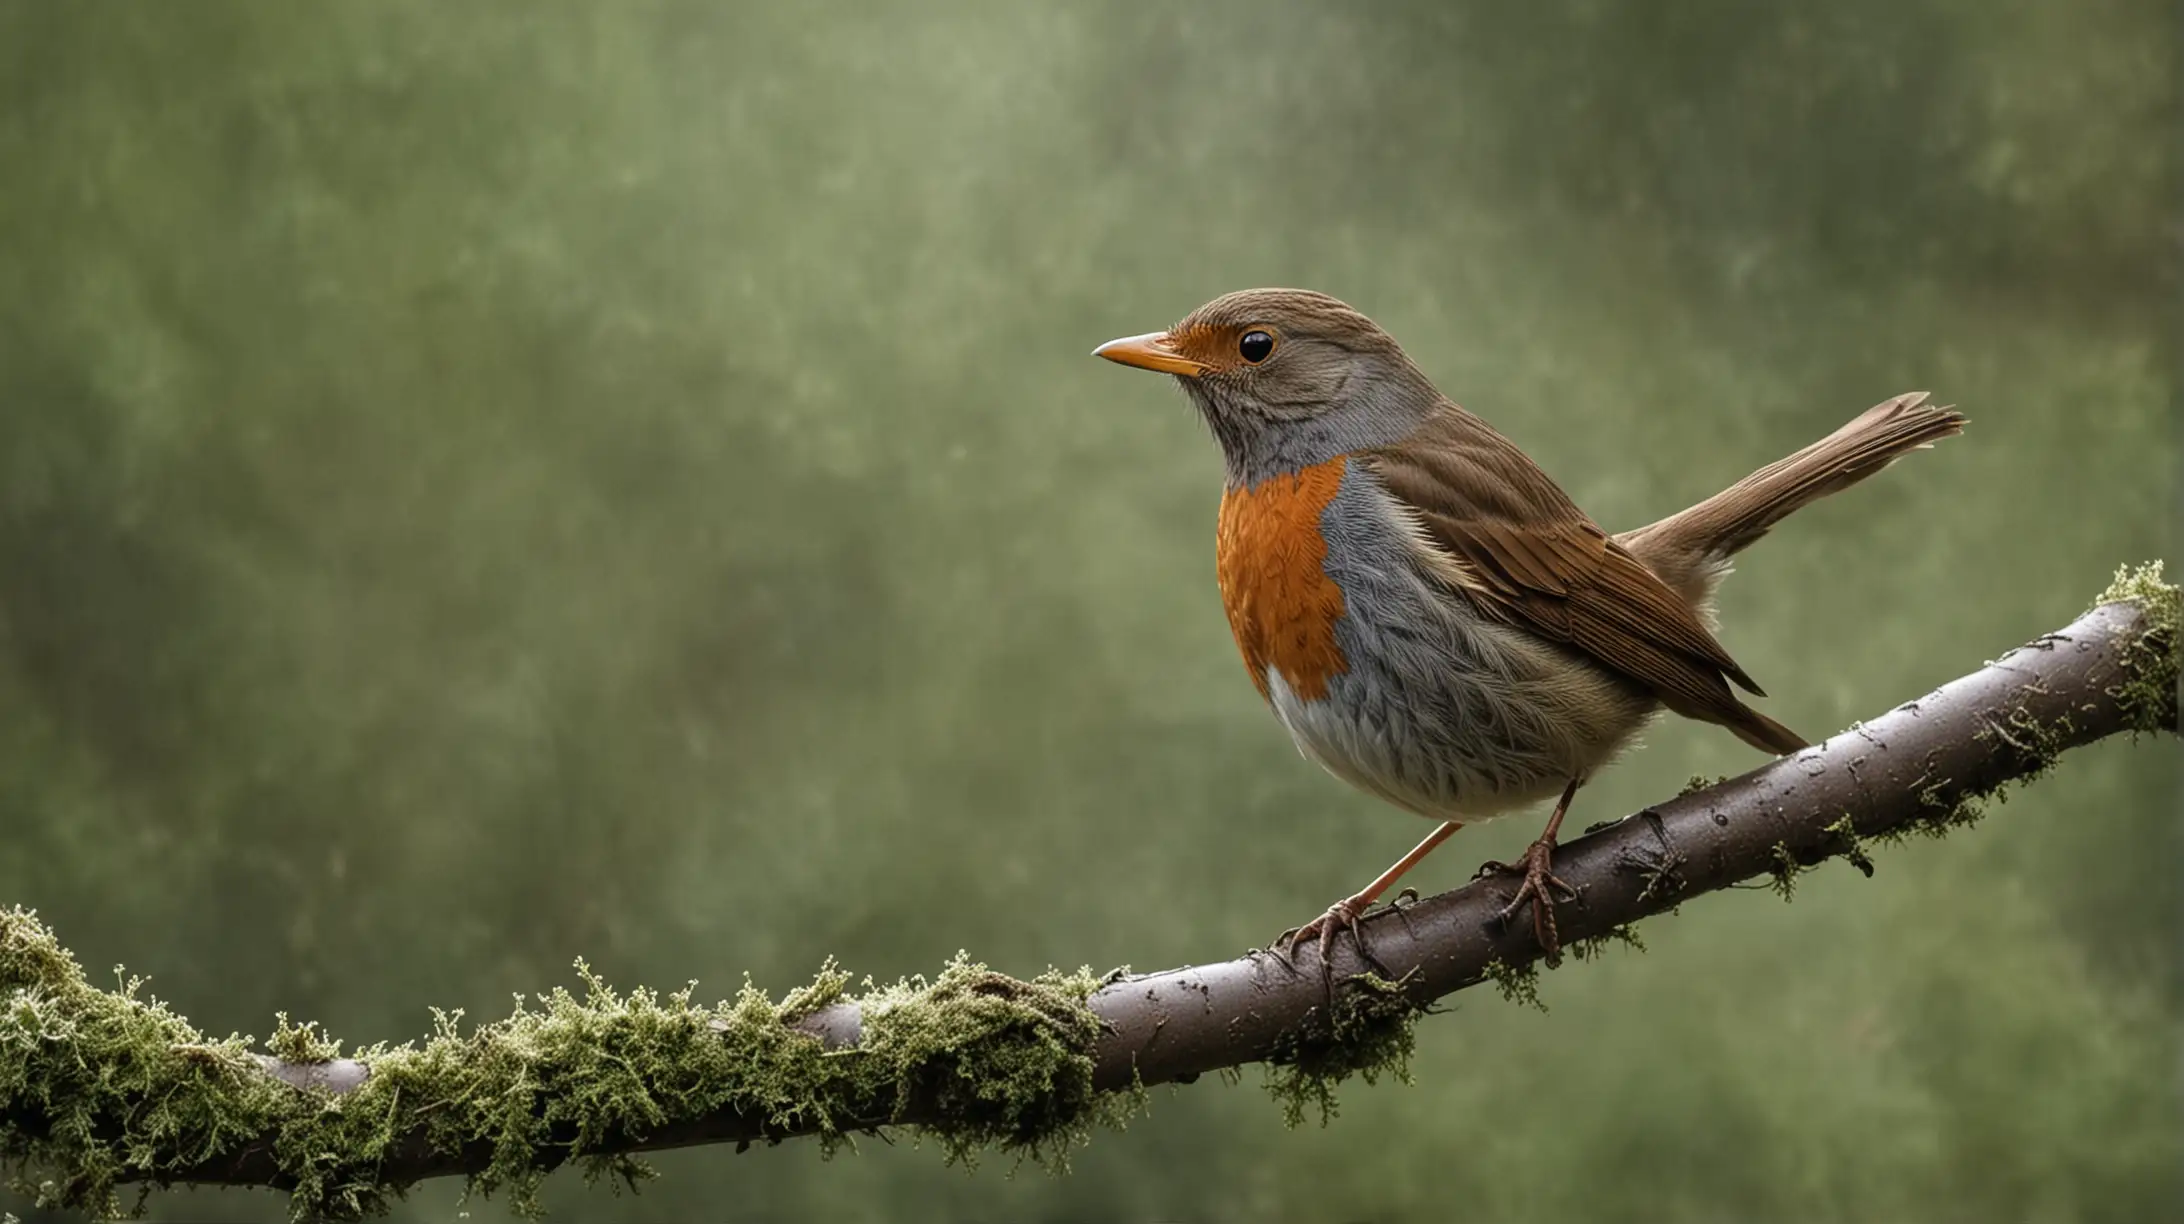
x: 1256, y: 346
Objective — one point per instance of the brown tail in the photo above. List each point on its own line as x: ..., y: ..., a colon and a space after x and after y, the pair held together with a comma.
x: 1691, y: 549
x: 1765, y: 733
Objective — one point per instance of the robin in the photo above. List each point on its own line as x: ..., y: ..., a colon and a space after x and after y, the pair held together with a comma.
x: 1430, y: 616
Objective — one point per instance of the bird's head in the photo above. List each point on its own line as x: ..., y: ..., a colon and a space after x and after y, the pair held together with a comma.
x: 1285, y: 378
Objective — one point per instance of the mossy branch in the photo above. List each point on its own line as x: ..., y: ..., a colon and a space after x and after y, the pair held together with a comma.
x: 101, y: 1088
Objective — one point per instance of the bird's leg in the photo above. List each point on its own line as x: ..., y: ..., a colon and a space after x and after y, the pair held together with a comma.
x: 1346, y: 912
x: 1541, y: 886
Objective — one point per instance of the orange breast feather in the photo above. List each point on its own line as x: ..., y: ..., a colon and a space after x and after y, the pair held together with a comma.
x: 1281, y: 604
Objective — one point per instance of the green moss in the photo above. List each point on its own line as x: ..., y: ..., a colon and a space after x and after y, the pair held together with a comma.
x: 1699, y: 782
x: 1782, y: 876
x: 1519, y: 986
x: 1846, y: 834
x: 1007, y: 1063
x: 104, y: 1086
x: 1366, y: 1031
x: 300, y: 1043
x: 1843, y: 841
x: 1963, y: 814
x: 95, y: 1084
x: 1593, y: 947
x: 2036, y: 745
x: 99, y: 1086
x: 2150, y: 695
x: 1938, y: 815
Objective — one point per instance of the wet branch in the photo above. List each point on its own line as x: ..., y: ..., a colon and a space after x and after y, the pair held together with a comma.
x: 1921, y: 766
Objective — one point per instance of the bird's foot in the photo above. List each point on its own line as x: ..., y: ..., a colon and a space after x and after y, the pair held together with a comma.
x: 1541, y: 888
x: 1342, y: 915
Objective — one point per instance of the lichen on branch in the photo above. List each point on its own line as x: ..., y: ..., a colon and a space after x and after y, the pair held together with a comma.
x: 99, y: 1087
x: 1367, y: 1031
x: 2156, y: 660
x: 97, y: 1083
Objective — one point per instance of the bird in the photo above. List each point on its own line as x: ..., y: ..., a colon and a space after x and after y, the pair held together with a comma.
x: 1428, y: 614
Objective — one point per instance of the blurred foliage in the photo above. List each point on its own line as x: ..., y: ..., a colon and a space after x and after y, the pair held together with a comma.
x: 486, y: 484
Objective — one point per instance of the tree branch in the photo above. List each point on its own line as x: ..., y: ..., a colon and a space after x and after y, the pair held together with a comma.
x: 978, y: 1058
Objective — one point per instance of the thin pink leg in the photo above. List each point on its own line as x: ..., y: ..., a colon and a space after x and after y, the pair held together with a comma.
x: 1346, y: 912
x: 1371, y: 892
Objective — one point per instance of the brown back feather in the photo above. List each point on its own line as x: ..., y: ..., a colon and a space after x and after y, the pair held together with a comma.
x: 1527, y: 555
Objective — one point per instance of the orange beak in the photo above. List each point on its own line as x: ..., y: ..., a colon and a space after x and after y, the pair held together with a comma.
x: 1151, y: 351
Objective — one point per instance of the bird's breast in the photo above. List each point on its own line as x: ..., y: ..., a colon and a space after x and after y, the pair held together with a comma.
x: 1270, y: 558
x: 1388, y: 675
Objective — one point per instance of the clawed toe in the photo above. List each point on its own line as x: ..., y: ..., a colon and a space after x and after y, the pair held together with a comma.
x: 1541, y: 888
x: 1343, y: 915
x: 1339, y: 916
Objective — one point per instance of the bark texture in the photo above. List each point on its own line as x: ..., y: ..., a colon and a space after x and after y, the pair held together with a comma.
x: 1921, y: 766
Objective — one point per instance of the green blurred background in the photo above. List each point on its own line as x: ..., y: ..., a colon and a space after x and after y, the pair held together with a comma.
x: 483, y: 484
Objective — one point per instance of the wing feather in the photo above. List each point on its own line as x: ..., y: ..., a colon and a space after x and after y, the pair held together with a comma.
x: 1519, y: 547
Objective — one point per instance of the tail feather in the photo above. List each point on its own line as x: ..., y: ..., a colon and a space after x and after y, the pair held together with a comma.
x: 1744, y: 722
x: 1691, y: 550
x: 1765, y: 733
x: 1692, y: 547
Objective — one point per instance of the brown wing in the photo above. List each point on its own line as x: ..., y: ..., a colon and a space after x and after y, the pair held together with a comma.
x: 1524, y: 551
